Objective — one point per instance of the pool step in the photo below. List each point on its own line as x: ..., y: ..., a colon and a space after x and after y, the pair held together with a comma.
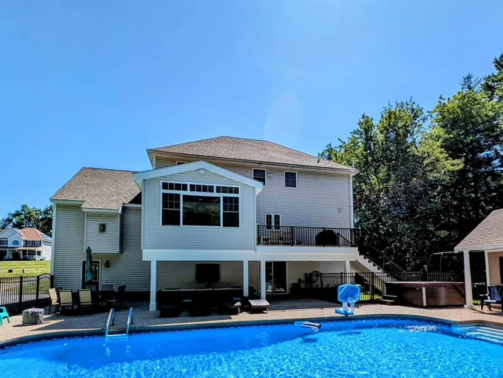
x: 493, y: 335
x: 116, y: 330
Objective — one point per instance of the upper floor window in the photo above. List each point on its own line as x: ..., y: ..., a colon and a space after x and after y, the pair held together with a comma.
x: 212, y: 205
x: 4, y: 242
x: 273, y: 221
x: 291, y: 179
x: 15, y: 243
x: 259, y: 175
x: 32, y: 243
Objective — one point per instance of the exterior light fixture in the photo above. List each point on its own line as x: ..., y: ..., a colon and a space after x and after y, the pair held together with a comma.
x: 107, y: 264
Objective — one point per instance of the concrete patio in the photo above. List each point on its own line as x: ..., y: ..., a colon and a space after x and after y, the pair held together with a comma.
x: 280, y: 311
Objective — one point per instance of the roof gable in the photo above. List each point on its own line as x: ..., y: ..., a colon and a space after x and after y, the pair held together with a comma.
x: 249, y: 150
x: 487, y: 235
x: 198, y: 165
x: 34, y: 234
x: 99, y: 188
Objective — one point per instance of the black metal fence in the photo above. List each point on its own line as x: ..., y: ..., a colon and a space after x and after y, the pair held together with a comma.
x: 323, y: 286
x: 20, y: 293
x: 305, y: 236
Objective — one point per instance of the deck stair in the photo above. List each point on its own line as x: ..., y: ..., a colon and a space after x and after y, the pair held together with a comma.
x: 388, y: 299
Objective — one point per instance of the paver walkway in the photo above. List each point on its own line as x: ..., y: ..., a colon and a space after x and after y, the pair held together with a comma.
x: 277, y: 312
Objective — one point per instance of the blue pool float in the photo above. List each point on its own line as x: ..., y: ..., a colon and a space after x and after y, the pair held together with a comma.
x: 348, y: 295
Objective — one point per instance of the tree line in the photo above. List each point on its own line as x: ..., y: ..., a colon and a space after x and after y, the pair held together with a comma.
x: 29, y: 217
x: 427, y: 177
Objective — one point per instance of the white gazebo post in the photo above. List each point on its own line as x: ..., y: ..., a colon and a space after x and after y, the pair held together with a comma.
x: 468, y: 280
x: 488, y: 276
x: 246, y: 279
x: 263, y: 287
x: 153, y: 286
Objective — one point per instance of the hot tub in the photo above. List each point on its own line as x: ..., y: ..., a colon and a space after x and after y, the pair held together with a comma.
x: 428, y: 294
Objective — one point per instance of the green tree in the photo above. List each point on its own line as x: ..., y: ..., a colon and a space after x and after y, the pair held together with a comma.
x: 472, y: 134
x: 398, y: 164
x: 493, y: 84
x: 27, y: 216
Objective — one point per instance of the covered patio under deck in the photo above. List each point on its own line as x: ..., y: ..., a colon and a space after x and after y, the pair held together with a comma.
x: 254, y: 278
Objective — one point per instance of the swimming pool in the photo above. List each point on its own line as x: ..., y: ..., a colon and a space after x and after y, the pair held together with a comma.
x: 370, y: 348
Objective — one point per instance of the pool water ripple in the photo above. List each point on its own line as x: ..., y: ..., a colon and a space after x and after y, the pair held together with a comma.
x: 358, y: 348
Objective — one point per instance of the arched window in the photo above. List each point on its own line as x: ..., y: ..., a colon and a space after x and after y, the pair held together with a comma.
x: 15, y: 243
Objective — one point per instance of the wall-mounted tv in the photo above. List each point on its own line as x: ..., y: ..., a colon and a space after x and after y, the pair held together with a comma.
x: 207, y: 273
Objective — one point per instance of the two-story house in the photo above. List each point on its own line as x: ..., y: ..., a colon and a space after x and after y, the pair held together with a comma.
x: 223, y: 211
x: 24, y: 244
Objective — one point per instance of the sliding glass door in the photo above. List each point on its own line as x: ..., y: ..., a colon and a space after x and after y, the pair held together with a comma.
x: 275, y: 272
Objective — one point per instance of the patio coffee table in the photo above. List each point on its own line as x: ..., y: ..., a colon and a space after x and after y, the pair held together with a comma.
x: 259, y: 304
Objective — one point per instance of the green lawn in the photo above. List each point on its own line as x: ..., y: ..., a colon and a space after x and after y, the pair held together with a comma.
x: 33, y: 268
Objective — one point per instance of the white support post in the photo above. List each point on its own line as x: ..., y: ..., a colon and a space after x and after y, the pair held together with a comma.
x: 488, y: 276
x: 263, y: 288
x: 246, y: 279
x: 153, y: 286
x: 348, y: 266
x: 468, y: 280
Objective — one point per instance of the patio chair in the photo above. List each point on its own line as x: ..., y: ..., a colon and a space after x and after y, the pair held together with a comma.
x: 85, y: 298
x: 492, y: 297
x: 66, y: 300
x: 117, y: 299
x: 54, y: 300
x: 4, y: 314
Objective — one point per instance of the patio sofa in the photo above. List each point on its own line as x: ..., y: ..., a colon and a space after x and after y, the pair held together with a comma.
x: 199, y: 302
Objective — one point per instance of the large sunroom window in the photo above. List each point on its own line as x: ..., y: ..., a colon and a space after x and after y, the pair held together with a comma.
x: 190, y: 204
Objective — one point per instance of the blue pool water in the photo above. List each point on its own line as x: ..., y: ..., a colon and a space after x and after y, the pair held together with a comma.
x: 360, y: 348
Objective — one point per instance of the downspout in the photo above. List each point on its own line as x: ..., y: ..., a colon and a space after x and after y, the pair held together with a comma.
x: 53, y: 244
x: 351, y: 215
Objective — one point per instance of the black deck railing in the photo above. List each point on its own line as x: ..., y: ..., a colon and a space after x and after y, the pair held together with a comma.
x: 305, y: 236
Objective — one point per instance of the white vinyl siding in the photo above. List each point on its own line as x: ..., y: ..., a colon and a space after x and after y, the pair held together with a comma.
x: 315, y: 202
x: 103, y: 242
x: 127, y: 268
x: 157, y: 236
x: 69, y: 247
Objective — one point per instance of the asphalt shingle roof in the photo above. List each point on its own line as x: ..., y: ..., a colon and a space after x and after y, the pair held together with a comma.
x: 258, y: 151
x: 34, y: 234
x: 99, y: 188
x: 488, y: 233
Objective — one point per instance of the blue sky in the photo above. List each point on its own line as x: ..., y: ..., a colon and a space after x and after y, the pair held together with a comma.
x: 95, y: 83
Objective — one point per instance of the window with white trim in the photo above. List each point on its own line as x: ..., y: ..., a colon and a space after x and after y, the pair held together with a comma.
x: 291, y: 179
x: 4, y: 242
x: 259, y: 175
x: 192, y: 204
x: 32, y: 243
x: 231, y: 212
x: 273, y: 221
x: 170, y: 209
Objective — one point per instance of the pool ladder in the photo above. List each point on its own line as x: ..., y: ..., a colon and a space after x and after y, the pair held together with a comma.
x: 111, y: 322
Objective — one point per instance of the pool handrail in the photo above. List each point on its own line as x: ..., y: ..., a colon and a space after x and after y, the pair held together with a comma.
x: 130, y: 320
x: 111, y: 319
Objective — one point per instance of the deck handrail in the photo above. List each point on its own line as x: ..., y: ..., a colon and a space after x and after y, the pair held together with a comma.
x: 301, y: 236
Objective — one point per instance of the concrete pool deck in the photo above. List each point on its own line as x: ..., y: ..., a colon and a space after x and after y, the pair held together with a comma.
x: 281, y: 311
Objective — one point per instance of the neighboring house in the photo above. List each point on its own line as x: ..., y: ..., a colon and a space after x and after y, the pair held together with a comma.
x: 487, y: 237
x: 24, y: 244
x: 230, y: 211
